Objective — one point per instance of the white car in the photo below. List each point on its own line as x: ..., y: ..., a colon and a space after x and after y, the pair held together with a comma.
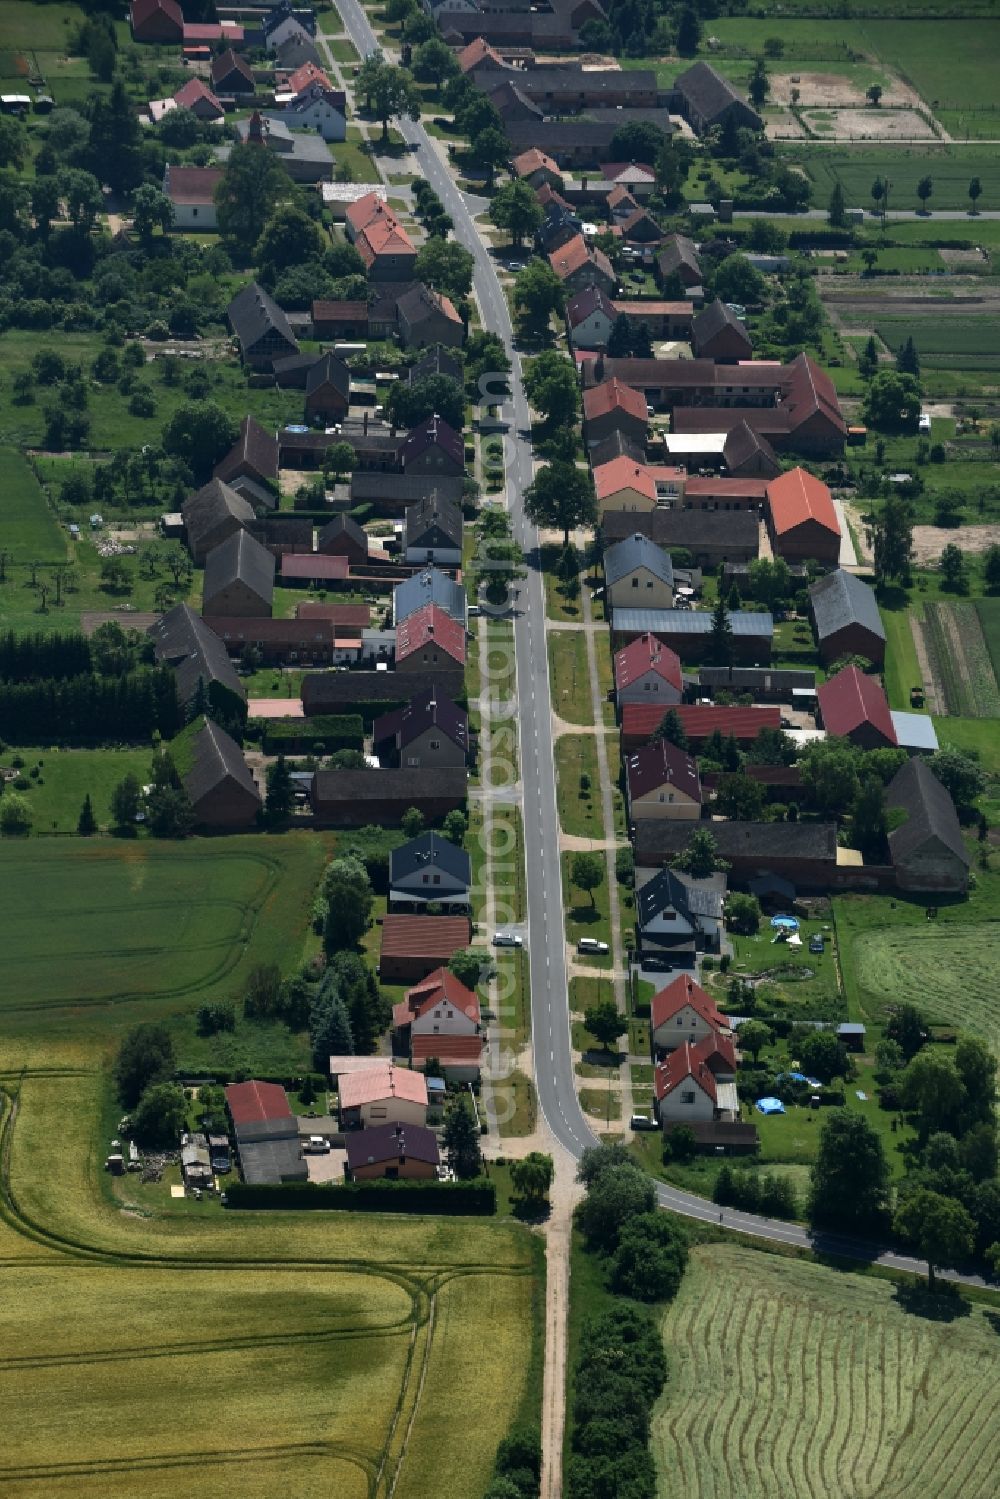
x: 507, y: 939
x: 923, y: 422
x: 592, y: 945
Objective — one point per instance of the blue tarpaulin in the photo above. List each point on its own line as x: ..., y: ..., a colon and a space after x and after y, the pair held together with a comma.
x: 769, y: 1106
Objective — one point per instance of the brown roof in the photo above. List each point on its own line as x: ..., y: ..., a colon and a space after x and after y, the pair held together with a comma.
x: 192, y: 184
x: 851, y: 699
x: 647, y: 654
x: 343, y: 312
x: 457, y: 1049
x: 576, y: 253
x: 423, y: 936
x: 613, y: 395
x: 351, y: 616
x: 662, y: 764
x: 382, y: 1080
x: 253, y: 446
x: 239, y: 630
x: 253, y: 1102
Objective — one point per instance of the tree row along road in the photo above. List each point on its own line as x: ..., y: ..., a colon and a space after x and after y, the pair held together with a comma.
x: 553, y: 1056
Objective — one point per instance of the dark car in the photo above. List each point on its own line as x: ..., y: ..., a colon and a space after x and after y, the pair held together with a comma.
x: 816, y: 943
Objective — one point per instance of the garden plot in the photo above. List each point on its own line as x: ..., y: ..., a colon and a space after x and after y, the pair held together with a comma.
x: 961, y: 660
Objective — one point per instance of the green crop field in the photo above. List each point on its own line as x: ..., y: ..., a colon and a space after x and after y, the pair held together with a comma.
x: 242, y: 1354
x: 961, y: 659
x: 989, y: 620
x: 102, y: 921
x: 789, y: 1379
x: 946, y: 342
x: 949, y: 167
x: 947, y: 971
x: 28, y: 531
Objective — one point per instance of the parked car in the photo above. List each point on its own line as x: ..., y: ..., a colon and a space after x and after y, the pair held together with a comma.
x: 592, y: 945
x: 641, y: 1121
x: 816, y: 942
x: 507, y: 939
x: 923, y: 422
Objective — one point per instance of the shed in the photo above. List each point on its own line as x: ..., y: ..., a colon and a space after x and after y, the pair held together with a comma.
x: 846, y: 618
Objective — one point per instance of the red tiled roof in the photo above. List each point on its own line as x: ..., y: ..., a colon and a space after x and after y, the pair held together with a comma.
x: 430, y: 625
x: 253, y: 1102
x: 360, y: 214
x: 533, y: 160
x: 195, y: 89
x: 624, y: 473
x: 306, y: 565
x: 634, y: 171
x: 661, y: 764
x: 305, y: 76
x: 647, y: 654
x: 695, y: 1062
x: 475, y: 53
x: 381, y: 1080
x: 442, y: 984
x: 424, y: 936
x: 210, y: 31
x: 851, y: 699
x: 641, y: 720
x: 613, y: 395
x: 797, y: 497
x: 467, y: 1049
x: 685, y: 991
x: 381, y: 238
x: 576, y: 253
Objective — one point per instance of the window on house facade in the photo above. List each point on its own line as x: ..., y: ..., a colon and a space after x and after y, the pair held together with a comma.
x: 687, y: 1096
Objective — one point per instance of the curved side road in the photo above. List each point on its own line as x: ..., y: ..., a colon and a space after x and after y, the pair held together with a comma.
x: 554, y: 1075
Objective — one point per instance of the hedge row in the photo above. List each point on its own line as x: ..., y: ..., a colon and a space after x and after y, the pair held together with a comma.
x: 478, y: 1198
x: 332, y: 731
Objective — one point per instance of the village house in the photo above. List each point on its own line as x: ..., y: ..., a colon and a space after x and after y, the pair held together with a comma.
x: 381, y: 1094
x: 428, y: 639
x: 191, y: 191
x: 392, y: 1152
x: 203, y: 673
x: 340, y: 320
x: 801, y: 518
x: 662, y: 782
x: 534, y: 167
x: 430, y: 868
x: 433, y: 447
x: 303, y: 641
x: 328, y: 389
x: 678, y: 917
x: 667, y: 320
x: 647, y: 671
x: 717, y: 333
x: 846, y: 618
x: 239, y: 578
x: 393, y: 494
x: 231, y: 74
x: 854, y: 706
x: 254, y: 455
x: 317, y: 108
x: 267, y: 1137
x: 211, y: 515
x: 283, y: 22
x: 679, y: 257
x: 697, y: 532
x: 218, y: 781
x: 697, y: 1083
x: 343, y: 537
x: 640, y: 720
x: 260, y: 327
x: 638, y: 574
x: 707, y: 101
x: 613, y: 406
x: 154, y: 21
x: 927, y: 849
x: 590, y: 317
x: 356, y: 798
x: 430, y: 586
x: 429, y: 731
x: 427, y: 317
x: 196, y: 96
x: 623, y: 485
x: 683, y: 1012
x: 433, y: 532
x: 414, y: 946
x: 578, y: 264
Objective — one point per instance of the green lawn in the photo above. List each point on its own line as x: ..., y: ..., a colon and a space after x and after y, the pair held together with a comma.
x: 569, y: 676
x: 65, y: 777
x: 343, y: 50
x: 515, y: 1098
x: 901, y: 670
x: 989, y: 619
x: 586, y: 918
x: 800, y: 984
x: 950, y: 168
x: 144, y: 927
x: 28, y: 529
x: 975, y: 736
x: 579, y: 811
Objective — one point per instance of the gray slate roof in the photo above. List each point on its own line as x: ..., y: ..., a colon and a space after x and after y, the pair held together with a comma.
x: 209, y: 506
x: 760, y: 841
x: 216, y: 758
x: 916, y: 790
x: 183, y: 641
x: 634, y: 552
x: 342, y: 525
x: 691, y: 622
x: 684, y: 528
x: 253, y: 313
x: 430, y: 850
x: 328, y: 369
x: 693, y: 899
x: 436, y: 361
x: 406, y: 489
x: 840, y: 599
x: 240, y: 559
x: 431, y: 586
x: 433, y: 512
x: 254, y: 446
x: 433, y: 432
x: 406, y: 786
x: 264, y: 1161
x: 707, y: 91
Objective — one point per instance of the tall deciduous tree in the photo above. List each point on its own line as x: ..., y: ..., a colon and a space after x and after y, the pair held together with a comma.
x: 587, y: 873
x: 891, y: 534
x: 562, y: 496
x: 850, y: 1181
x: 552, y: 388
x: 940, y: 1228
x: 605, y: 1023
x: 516, y: 211
x: 253, y: 184
x: 446, y: 266
x: 700, y: 857
x: 531, y: 1177
x: 538, y: 293
x: 347, y: 891
x: 146, y: 1056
